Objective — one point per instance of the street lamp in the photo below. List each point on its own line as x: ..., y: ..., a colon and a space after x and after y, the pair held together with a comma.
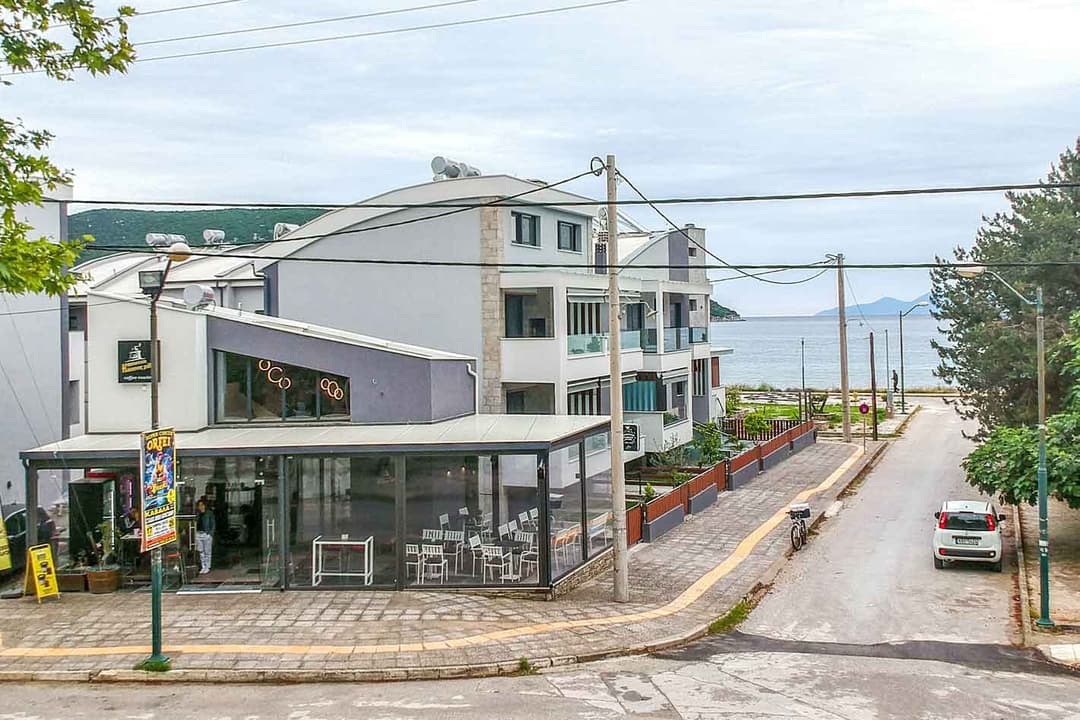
x: 152, y: 283
x: 1040, y: 345
x: 905, y: 313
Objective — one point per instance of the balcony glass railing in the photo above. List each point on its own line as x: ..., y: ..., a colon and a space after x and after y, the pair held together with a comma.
x: 585, y: 344
x: 673, y: 416
x: 630, y: 339
x: 676, y: 339
x: 699, y: 335
x: 648, y: 340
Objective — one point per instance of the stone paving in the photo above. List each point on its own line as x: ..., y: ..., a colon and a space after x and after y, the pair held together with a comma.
x: 678, y: 585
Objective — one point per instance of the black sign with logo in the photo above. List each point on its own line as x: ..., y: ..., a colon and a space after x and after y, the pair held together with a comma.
x: 133, y: 361
x: 630, y: 438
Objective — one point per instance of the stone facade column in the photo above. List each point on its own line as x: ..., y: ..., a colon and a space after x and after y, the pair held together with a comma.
x: 492, y: 239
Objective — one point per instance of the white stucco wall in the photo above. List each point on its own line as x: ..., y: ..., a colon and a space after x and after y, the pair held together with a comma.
x: 116, y: 407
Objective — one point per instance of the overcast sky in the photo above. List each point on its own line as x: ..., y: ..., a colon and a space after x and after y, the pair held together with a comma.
x: 696, y: 97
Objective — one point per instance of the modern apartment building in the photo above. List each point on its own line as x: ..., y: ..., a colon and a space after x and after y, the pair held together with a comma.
x: 540, y: 334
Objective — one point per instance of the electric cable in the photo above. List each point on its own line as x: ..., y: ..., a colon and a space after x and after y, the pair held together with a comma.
x: 305, y: 23
x: 850, y: 286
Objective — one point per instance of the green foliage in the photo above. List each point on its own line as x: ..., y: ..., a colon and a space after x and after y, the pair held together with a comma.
x: 719, y: 312
x: 679, y: 478
x: 731, y: 619
x: 712, y: 444
x: 56, y: 39
x: 756, y: 423
x: 671, y: 456
x: 128, y: 228
x: 989, y: 351
x: 524, y: 667
x: 734, y: 399
x: 649, y: 492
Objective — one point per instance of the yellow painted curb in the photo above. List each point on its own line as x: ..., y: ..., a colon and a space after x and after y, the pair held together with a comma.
x: 686, y: 598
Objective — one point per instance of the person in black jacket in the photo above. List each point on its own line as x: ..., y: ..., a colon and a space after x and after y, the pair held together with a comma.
x: 204, y: 535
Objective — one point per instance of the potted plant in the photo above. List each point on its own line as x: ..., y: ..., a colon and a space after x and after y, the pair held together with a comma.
x: 72, y: 577
x: 104, y: 575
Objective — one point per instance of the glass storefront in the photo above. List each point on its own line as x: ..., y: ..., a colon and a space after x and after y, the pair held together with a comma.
x: 249, y: 389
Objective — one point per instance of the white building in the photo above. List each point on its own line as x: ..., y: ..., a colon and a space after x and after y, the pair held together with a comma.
x: 540, y: 334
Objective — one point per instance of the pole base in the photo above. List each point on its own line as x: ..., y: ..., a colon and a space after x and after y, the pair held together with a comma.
x: 1045, y: 623
x: 155, y: 663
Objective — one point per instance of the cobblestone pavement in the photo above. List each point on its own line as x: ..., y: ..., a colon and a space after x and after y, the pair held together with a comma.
x: 680, y: 583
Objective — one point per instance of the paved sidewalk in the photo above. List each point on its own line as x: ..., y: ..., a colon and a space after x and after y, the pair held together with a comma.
x: 679, y: 585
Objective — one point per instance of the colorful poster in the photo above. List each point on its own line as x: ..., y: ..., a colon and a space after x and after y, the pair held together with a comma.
x: 158, y: 488
x: 41, y: 572
x: 5, y: 548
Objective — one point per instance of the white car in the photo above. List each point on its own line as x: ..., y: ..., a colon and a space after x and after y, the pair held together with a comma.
x: 968, y: 530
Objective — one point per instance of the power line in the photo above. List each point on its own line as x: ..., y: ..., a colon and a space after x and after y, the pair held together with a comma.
x: 378, y: 33
x: 701, y: 200
x: 305, y: 23
x: 162, y: 11
x: 858, y: 306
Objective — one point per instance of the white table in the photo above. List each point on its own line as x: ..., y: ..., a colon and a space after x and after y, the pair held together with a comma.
x: 344, y: 546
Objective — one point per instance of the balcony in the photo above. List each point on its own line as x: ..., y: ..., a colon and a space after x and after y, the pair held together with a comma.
x: 630, y: 340
x: 648, y: 340
x: 676, y: 338
x: 589, y: 344
x: 656, y: 436
x: 699, y: 335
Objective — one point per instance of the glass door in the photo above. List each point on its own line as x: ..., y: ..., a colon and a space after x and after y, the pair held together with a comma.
x: 268, y: 476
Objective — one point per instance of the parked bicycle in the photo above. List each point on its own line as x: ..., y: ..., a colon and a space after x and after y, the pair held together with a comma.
x: 799, y: 514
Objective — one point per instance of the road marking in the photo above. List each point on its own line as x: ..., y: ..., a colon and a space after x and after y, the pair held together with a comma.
x: 686, y: 598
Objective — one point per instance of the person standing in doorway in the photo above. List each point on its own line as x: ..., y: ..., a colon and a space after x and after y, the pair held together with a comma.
x: 204, y: 535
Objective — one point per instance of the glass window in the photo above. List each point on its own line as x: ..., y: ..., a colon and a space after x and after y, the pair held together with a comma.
x: 266, y: 390
x: 526, y: 229
x: 269, y: 380
x: 564, y: 524
x: 334, y: 397
x: 232, y: 387
x: 569, y: 236
x: 300, y: 395
x: 599, y: 516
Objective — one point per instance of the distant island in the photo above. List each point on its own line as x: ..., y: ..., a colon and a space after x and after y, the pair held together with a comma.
x: 128, y: 228
x: 719, y: 313
x: 882, y: 306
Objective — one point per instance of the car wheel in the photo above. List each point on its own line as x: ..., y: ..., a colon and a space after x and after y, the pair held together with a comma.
x: 939, y: 563
x: 997, y: 566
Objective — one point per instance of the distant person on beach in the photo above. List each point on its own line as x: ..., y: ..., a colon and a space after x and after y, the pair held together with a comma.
x: 895, y: 382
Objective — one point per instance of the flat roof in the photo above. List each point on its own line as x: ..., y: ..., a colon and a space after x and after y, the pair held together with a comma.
x: 473, y: 433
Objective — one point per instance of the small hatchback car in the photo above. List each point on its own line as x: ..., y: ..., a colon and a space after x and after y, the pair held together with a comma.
x: 968, y: 530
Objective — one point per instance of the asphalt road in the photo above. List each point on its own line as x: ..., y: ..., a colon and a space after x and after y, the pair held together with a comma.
x: 859, y: 626
x: 869, y: 576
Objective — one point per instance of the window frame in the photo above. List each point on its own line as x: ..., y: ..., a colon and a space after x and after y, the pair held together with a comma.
x: 318, y: 413
x: 576, y: 244
x: 519, y: 218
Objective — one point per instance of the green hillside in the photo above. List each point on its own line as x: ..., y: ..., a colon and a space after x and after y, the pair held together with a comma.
x: 128, y: 228
x: 719, y: 312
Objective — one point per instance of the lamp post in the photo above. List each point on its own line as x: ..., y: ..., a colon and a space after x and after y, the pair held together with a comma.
x: 152, y: 283
x: 1040, y: 349
x: 905, y: 313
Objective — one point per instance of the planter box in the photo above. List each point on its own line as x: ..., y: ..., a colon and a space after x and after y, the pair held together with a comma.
x: 103, y: 581
x: 68, y: 581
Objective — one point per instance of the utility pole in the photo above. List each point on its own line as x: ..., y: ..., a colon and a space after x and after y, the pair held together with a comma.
x: 873, y: 388
x: 1044, y: 620
x: 888, y: 377
x: 618, y: 481
x: 845, y: 403
x: 803, y: 405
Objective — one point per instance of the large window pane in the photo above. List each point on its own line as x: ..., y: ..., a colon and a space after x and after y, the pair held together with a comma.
x: 266, y: 390
x: 334, y: 397
x: 232, y: 387
x: 300, y: 395
x: 565, y: 532
x: 598, y: 492
x: 268, y: 384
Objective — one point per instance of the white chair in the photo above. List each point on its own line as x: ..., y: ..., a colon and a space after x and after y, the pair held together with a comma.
x: 513, y: 526
x: 444, y: 521
x: 504, y: 532
x: 523, y: 519
x: 414, y: 559
x: 434, y: 562
x: 463, y: 517
x: 497, y: 559
x: 431, y: 535
x: 527, y: 544
x: 534, y: 515
x: 475, y: 548
x: 529, y: 558
x: 599, y: 531
x: 454, y: 544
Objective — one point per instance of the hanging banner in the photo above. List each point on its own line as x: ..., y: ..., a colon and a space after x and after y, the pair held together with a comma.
x: 158, y: 488
x: 5, y: 548
x: 40, y: 572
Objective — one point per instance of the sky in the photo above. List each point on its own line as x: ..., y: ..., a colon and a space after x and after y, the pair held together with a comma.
x: 695, y: 97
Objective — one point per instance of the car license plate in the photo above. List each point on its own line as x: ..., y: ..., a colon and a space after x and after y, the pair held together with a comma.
x: 966, y: 540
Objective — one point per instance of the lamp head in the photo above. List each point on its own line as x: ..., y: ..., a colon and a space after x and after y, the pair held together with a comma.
x: 179, y: 251
x: 921, y: 303
x: 973, y: 271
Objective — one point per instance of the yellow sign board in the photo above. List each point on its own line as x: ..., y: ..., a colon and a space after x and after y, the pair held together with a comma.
x: 5, y: 548
x: 41, y: 572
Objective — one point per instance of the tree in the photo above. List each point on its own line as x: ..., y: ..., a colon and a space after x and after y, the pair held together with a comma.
x: 989, y: 353
x: 55, y: 39
x: 1007, y: 462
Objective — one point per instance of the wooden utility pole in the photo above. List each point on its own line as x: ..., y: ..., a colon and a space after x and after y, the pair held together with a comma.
x: 618, y: 481
x: 845, y: 401
x: 873, y: 388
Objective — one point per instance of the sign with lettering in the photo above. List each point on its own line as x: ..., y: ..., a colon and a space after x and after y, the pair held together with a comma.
x: 630, y: 438
x: 133, y: 361
x: 5, y: 548
x: 40, y: 572
x: 158, y: 488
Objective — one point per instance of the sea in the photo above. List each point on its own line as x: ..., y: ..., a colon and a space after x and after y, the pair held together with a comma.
x: 767, y: 350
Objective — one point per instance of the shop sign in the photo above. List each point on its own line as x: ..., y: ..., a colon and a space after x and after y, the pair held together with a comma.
x: 158, y: 454
x: 630, y: 438
x: 133, y: 361
x: 40, y: 572
x: 5, y: 548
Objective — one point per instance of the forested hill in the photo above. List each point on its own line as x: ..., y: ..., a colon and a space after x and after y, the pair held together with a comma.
x: 128, y: 228
x: 719, y: 312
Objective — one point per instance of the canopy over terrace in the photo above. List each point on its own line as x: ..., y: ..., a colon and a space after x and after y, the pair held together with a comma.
x: 475, y: 501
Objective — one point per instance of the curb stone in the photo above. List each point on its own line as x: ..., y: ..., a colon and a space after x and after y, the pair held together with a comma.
x: 507, y: 668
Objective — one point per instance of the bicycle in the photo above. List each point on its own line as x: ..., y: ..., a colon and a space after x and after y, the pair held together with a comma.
x: 799, y: 514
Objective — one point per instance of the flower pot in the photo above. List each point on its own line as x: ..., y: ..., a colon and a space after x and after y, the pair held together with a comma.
x: 105, y: 580
x: 71, y: 580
